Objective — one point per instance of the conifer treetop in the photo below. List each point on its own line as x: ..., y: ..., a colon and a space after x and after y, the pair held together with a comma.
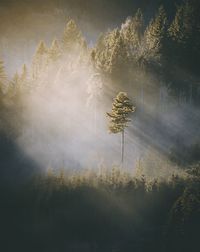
x: 42, y: 48
x: 72, y: 35
x: 54, y: 51
x: 119, y: 116
x: 183, y: 23
x: 132, y: 29
x: 157, y: 30
x: 3, y: 77
x: 2, y: 72
x: 24, y: 72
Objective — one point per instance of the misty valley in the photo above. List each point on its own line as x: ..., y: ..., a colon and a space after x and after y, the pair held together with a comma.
x: 99, y: 138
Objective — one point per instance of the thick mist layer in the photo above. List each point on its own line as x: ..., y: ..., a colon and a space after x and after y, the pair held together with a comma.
x: 64, y: 125
x: 64, y: 122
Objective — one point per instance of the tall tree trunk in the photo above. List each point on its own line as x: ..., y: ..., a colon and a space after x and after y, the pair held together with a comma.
x: 122, y: 150
x: 95, y: 116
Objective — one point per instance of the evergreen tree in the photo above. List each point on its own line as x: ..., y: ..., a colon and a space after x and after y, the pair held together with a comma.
x: 119, y: 60
x: 24, y: 73
x: 3, y: 76
x: 119, y: 117
x: 155, y: 38
x: 94, y: 90
x: 132, y: 31
x: 72, y: 37
x: 111, y: 55
x: 16, y: 82
x: 185, y: 35
x: 24, y: 78
x: 42, y: 48
x: 40, y: 60
x: 84, y: 55
x: 102, y: 53
x: 182, y: 26
x: 95, y: 52
x: 3, y: 79
x: 184, y: 53
x: 10, y: 91
x: 14, y: 89
x: 54, y: 52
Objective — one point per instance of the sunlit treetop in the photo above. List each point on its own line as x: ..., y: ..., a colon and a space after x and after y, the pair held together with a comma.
x: 72, y: 36
x: 39, y: 60
x: 24, y: 72
x: 156, y: 32
x: 111, y: 55
x: 42, y: 48
x: 132, y: 30
x: 54, y: 51
x: 2, y: 72
x: 183, y: 23
x: 119, y: 116
x: 119, y: 56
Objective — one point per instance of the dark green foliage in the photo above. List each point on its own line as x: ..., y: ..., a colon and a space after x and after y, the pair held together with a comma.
x: 184, y: 220
x: 183, y: 50
x: 132, y: 33
x: 49, y: 214
x: 194, y: 170
x: 168, y: 48
x: 185, y: 32
x: 2, y: 71
x: 116, y: 212
x: 110, y: 55
x: 155, y: 38
x: 121, y: 109
x: 119, y: 117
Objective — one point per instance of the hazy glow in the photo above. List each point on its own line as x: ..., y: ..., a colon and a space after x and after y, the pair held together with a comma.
x: 64, y: 120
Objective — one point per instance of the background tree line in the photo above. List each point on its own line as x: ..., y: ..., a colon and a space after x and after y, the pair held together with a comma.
x: 167, y: 47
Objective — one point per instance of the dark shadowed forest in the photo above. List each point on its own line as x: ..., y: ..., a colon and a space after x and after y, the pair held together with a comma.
x: 99, y: 126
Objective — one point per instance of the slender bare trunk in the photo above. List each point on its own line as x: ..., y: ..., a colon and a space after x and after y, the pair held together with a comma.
x: 122, y: 150
x: 95, y: 117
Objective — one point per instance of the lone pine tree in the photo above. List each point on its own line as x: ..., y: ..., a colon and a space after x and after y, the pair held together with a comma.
x: 2, y: 74
x: 119, y: 117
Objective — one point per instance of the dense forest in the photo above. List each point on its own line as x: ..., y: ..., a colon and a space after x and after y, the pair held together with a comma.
x: 62, y: 185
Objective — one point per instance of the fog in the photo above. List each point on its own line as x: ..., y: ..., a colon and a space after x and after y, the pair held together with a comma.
x: 63, y: 121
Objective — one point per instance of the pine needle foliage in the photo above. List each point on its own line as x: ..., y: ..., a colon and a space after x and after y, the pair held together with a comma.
x: 3, y: 76
x: 72, y: 36
x: 119, y: 117
x: 54, y: 51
